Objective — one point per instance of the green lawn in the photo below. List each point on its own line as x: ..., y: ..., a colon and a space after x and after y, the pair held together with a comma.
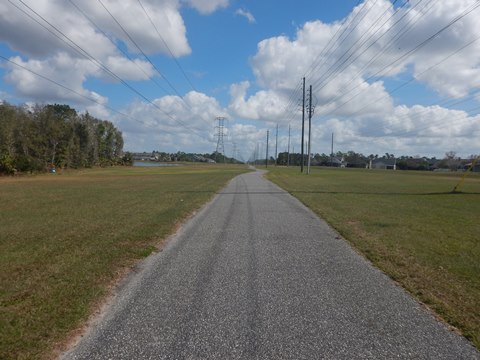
x: 410, y: 225
x: 64, y: 238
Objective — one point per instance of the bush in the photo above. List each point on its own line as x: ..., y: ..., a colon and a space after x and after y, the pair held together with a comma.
x: 7, y: 164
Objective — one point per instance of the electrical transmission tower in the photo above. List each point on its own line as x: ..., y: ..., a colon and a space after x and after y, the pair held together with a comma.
x: 220, y: 135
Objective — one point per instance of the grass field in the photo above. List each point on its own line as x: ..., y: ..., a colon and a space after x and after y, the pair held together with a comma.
x: 64, y: 238
x: 408, y: 224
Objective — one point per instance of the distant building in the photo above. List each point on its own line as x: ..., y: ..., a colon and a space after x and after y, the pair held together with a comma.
x: 383, y: 164
x: 476, y: 167
x: 336, y: 162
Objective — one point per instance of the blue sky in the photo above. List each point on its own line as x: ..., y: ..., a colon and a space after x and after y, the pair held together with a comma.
x: 245, y: 60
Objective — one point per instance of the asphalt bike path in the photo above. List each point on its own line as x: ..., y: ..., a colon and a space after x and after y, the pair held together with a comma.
x: 257, y: 275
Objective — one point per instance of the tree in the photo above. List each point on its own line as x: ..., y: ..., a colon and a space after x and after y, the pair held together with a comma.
x: 7, y: 138
x: 354, y: 159
x: 452, y: 161
x: 55, y: 135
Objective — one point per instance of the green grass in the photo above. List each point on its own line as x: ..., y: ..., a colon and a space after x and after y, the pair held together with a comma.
x: 411, y: 226
x: 64, y: 238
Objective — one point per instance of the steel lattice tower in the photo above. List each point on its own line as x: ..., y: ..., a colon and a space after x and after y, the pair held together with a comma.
x: 220, y: 135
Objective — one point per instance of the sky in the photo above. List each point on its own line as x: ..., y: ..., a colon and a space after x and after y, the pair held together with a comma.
x: 399, y: 77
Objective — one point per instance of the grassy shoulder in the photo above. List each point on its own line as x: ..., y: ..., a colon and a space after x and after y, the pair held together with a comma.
x: 65, y: 237
x: 410, y: 225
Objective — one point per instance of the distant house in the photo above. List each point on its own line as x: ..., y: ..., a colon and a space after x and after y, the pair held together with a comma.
x: 384, y: 164
x: 141, y: 156
x: 198, y: 158
x: 476, y: 167
x: 336, y: 162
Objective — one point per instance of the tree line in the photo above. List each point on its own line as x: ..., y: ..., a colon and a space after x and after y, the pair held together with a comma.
x: 47, y: 137
x: 180, y: 156
x: 357, y: 160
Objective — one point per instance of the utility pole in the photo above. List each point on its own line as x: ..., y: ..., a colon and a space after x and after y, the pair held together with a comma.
x: 288, y: 151
x: 220, y: 134
x: 310, y: 112
x: 266, y: 157
x: 276, y: 147
x: 303, y: 125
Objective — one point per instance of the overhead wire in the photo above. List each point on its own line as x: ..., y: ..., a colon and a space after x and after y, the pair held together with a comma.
x: 144, y: 54
x: 293, y: 99
x: 288, y: 111
x: 339, y: 41
x: 390, y: 92
x: 118, y: 47
x: 450, y: 102
x: 98, y: 63
x: 412, y: 51
x: 464, y: 115
x: 92, y: 99
x: 168, y: 47
x: 125, y: 53
x: 335, y: 42
x: 402, y: 32
x: 336, y: 67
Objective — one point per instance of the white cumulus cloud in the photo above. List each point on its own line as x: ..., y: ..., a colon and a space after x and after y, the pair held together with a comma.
x: 246, y: 14
x: 82, y: 42
x: 349, y: 63
x: 207, y: 6
x: 172, y: 123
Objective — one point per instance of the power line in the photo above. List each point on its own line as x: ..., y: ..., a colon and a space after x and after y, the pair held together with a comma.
x: 410, y: 52
x: 396, y: 37
x: 420, y: 74
x: 337, y: 66
x: 402, y: 33
x: 92, y: 59
x: 118, y: 47
x: 77, y: 93
x: 168, y: 48
x: 143, y: 53
x: 439, y: 124
x: 338, y: 41
x: 315, y: 63
x: 330, y: 47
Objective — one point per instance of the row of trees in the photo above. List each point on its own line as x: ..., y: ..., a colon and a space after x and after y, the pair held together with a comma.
x: 55, y: 136
x: 352, y: 159
x: 181, y: 156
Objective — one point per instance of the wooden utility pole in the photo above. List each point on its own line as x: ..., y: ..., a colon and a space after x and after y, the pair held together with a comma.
x: 310, y: 111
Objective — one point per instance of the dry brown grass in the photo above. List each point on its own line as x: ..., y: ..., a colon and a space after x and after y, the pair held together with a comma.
x: 64, y: 238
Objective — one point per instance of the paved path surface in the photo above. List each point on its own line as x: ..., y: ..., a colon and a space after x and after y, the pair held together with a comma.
x: 256, y: 275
